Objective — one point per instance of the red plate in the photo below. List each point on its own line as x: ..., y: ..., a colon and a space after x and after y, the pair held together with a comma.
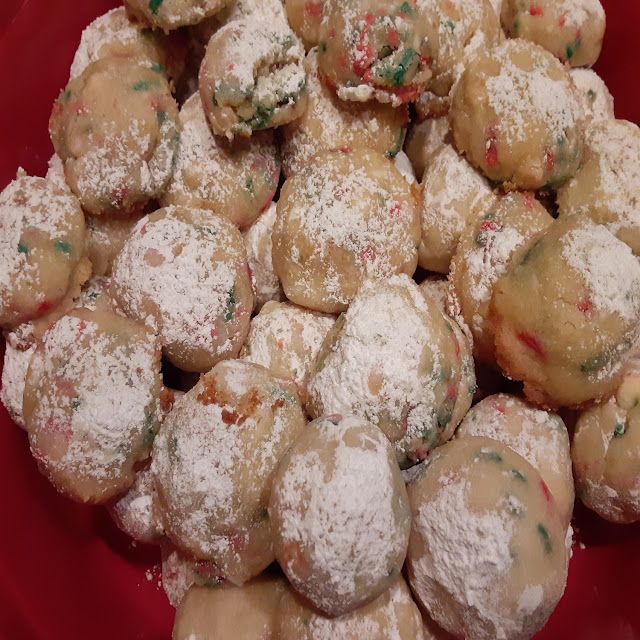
x: 66, y: 572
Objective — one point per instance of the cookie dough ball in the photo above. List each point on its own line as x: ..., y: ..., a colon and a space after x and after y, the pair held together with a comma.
x: 424, y: 139
x: 572, y: 30
x: 393, y: 614
x: 482, y: 256
x: 136, y: 512
x: 339, y: 514
x: 346, y: 216
x: 14, y: 374
x: 372, y: 49
x: 215, y: 457
x: 331, y: 123
x: 235, y: 180
x: 187, y: 269
x: 540, y: 437
x: 286, y: 339
x: 91, y: 403
x: 516, y: 117
x: 228, y: 612
x: 436, y: 288
x: 456, y: 31
x: 257, y: 241
x: 606, y: 455
x: 593, y: 94
x: 106, y: 235
x: 487, y: 556
x: 453, y: 193
x: 115, y: 128
x: 565, y: 314
x: 42, y: 234
x: 606, y: 188
x: 395, y: 360
x: 252, y: 77
x: 305, y: 18
x: 172, y: 14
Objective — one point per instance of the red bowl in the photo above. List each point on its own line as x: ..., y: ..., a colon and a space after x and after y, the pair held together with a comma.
x: 66, y: 572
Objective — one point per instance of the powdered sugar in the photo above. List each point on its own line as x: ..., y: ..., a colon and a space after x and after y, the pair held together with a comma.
x: 595, y: 97
x: 14, y: 373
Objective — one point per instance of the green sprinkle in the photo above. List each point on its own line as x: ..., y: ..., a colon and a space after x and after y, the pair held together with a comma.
x: 546, y: 538
x: 619, y: 430
x: 529, y: 254
x: 261, y: 514
x: 231, y: 305
x: 75, y: 404
x: 93, y: 295
x: 154, y: 6
x: 322, y: 47
x: 391, y: 572
x: 161, y: 117
x: 489, y: 216
x: 22, y: 248
x: 397, y: 146
x: 516, y: 25
x: 517, y: 475
x: 398, y: 76
x: 158, y: 68
x: 62, y: 247
x: 66, y: 95
x: 406, y: 8
x: 142, y: 85
x: 472, y: 389
x: 492, y: 456
x: 591, y: 94
x: 481, y: 240
x: 569, y: 51
x: 260, y: 119
x: 249, y: 185
x: 451, y: 25
x: 593, y: 365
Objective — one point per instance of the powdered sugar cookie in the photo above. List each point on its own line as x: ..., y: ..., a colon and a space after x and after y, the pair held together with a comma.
x: 572, y: 30
x: 14, y: 374
x: 252, y: 77
x: 187, y: 269
x: 206, y: 613
x: 172, y: 14
x: 346, y: 216
x: 424, y: 139
x: 540, y: 437
x: 394, y: 359
x: 606, y: 188
x: 569, y: 347
x: 91, y: 403
x: 453, y: 193
x: 482, y: 256
x: 516, y: 117
x: 286, y: 339
x: 393, y: 614
x: 337, y: 549
x: 215, y: 457
x: 487, y: 555
x: 235, y: 180
x: 257, y: 241
x: 42, y: 261
x: 305, y: 18
x: 331, y: 123
x: 115, y: 129
x: 594, y: 95
x: 374, y: 49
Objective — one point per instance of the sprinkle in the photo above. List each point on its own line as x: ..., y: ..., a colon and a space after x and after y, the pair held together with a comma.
x: 532, y: 343
x: 154, y: 6
x: 546, y: 538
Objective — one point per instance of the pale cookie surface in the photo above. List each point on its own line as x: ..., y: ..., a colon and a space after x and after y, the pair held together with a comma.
x: 305, y: 18
x: 339, y: 514
x: 14, y: 375
x: 424, y: 139
x: 594, y: 95
x: 106, y: 235
x: 172, y: 14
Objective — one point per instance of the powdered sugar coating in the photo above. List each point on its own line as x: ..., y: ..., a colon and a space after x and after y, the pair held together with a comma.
x: 91, y: 402
x: 187, y: 269
x: 339, y: 514
x: 172, y: 14
x: 14, y: 374
x: 215, y: 457
x: 237, y: 181
x: 594, y: 95
x: 346, y: 216
x: 424, y: 139
x: 259, y: 246
x: 487, y: 555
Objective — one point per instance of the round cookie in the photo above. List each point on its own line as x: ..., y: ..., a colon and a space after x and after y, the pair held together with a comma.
x: 305, y: 18
x: 252, y: 77
x: 565, y: 314
x: 516, y: 116
x: 331, y: 123
x: 397, y: 361
x: 423, y: 140
x: 453, y: 193
x: 374, y: 49
x: 91, y: 403
x: 593, y: 94
x: 572, y: 30
x: 187, y: 269
x: 393, y: 614
x: 115, y: 129
x: 217, y: 452
x: 456, y: 31
x: 14, y: 374
x: 487, y: 555
x: 106, y: 235
x: 257, y: 241
x: 286, y: 340
x: 606, y: 454
x: 228, y: 612
x: 606, y: 188
x: 42, y: 234
x: 172, y: 14
x: 482, y: 256
x: 339, y: 514
x: 540, y: 437
x: 346, y: 216
x: 235, y: 180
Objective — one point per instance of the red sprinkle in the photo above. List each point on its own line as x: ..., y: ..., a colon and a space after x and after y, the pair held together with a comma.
x: 490, y: 225
x: 393, y: 38
x: 545, y: 490
x: 452, y: 393
x: 529, y: 200
x: 491, y: 147
x: 563, y: 20
x: 313, y: 10
x: 82, y: 326
x: 345, y: 149
x: 214, y: 333
x: 45, y: 306
x: 549, y: 160
x: 395, y: 210
x: 532, y: 343
x: 584, y: 305
x: 368, y: 254
x: 500, y: 408
x: 534, y: 10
